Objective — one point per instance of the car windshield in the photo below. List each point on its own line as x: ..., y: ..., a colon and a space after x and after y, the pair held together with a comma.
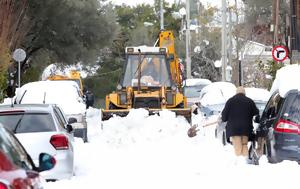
x: 193, y: 91
x: 13, y: 150
x: 154, y: 71
x: 28, y: 122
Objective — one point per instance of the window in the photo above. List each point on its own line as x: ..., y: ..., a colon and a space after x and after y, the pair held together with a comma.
x: 28, y: 122
x: 292, y: 108
x: 273, y: 106
x: 154, y: 70
x: 60, y: 119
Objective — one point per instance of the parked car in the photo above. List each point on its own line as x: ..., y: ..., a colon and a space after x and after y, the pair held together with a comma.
x: 259, y: 96
x: 43, y: 128
x: 192, y: 89
x: 66, y: 94
x: 280, y: 127
x: 17, y: 170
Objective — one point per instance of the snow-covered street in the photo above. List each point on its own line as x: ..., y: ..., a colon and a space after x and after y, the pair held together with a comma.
x: 142, y: 151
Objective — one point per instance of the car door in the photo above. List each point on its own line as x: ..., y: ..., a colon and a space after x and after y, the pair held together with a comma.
x: 270, y: 115
x: 62, y: 123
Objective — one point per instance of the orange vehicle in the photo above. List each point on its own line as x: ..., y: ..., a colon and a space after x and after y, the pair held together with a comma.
x: 151, y: 79
x: 73, y: 76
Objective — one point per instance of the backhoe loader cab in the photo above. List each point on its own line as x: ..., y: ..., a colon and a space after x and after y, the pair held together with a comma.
x: 147, y: 64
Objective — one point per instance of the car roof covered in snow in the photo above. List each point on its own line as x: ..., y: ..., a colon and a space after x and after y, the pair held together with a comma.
x: 66, y: 94
x: 258, y: 94
x: 197, y: 81
x: 217, y: 93
x: 287, y: 78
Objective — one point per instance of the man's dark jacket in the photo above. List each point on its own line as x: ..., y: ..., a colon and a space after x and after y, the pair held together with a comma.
x: 238, y: 112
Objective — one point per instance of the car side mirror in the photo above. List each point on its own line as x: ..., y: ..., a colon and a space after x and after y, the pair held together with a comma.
x: 72, y: 120
x: 69, y: 128
x: 46, y: 162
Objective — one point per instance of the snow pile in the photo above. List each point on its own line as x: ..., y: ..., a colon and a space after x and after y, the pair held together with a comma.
x: 258, y: 94
x: 217, y: 93
x: 287, y: 78
x: 138, y: 127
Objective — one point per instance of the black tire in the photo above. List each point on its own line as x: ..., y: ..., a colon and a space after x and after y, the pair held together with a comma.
x: 270, y: 152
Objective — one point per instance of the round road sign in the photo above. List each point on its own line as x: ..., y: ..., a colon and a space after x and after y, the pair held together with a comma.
x: 280, y: 53
x: 19, y: 55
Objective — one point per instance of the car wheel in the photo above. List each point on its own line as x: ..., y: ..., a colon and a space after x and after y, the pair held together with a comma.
x: 270, y: 152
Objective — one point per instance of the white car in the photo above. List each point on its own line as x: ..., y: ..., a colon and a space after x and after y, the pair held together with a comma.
x: 217, y: 93
x: 65, y: 94
x: 42, y: 128
x: 192, y: 89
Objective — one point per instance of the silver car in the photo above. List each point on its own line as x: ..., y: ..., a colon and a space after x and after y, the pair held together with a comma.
x: 43, y: 128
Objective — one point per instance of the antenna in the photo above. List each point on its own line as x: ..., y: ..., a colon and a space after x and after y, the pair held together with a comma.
x: 22, y: 97
x: 44, y: 101
x: 11, y: 102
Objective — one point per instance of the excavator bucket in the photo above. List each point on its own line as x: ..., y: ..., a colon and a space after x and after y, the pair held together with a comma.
x: 185, y: 112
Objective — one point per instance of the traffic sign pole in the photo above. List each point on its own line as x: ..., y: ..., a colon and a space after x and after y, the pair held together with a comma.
x: 19, y: 74
x: 19, y: 55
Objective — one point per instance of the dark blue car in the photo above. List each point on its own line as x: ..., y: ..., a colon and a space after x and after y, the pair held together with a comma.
x: 280, y: 127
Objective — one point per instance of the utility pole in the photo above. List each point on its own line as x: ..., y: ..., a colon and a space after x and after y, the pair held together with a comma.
x: 224, y: 57
x: 187, y: 41
x: 230, y: 38
x: 276, y: 21
x: 161, y: 14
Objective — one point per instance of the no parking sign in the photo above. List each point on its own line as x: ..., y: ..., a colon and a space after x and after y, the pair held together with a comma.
x: 280, y: 53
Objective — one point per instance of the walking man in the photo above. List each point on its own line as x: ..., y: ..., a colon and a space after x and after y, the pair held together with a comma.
x: 238, y: 112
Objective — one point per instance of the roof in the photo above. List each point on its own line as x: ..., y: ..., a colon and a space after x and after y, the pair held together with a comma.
x: 145, y: 49
x: 32, y: 108
x: 287, y: 79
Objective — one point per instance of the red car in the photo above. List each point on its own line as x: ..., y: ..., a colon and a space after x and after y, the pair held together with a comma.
x: 17, y: 170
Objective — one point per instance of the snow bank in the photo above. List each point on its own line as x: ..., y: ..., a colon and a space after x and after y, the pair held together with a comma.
x: 141, y: 151
x: 287, y: 78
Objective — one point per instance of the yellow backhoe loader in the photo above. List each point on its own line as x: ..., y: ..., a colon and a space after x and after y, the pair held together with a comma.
x: 151, y: 79
x: 72, y: 76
